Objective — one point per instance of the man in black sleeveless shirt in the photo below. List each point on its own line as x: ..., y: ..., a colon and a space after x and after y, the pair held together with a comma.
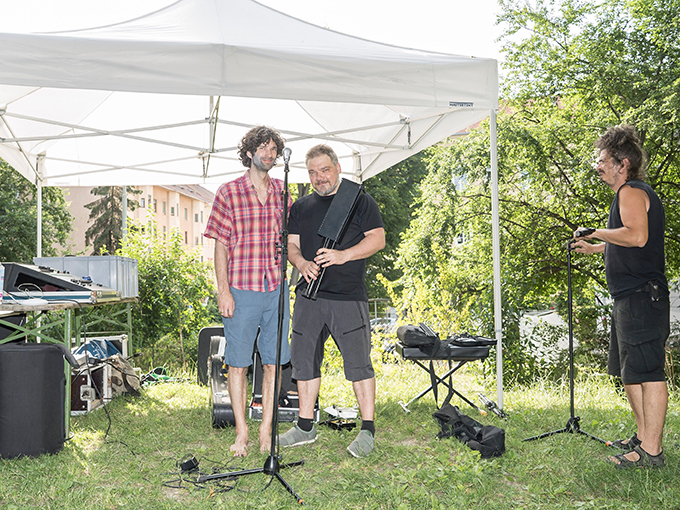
x: 633, y: 250
x: 341, y: 307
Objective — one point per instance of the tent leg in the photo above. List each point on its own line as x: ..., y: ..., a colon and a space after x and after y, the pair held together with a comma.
x: 498, y: 317
x: 38, y: 184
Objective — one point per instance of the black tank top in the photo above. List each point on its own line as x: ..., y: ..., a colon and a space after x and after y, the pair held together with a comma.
x: 629, y: 269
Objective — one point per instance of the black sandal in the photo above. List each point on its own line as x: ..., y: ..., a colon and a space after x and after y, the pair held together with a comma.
x: 645, y: 460
x: 628, y: 445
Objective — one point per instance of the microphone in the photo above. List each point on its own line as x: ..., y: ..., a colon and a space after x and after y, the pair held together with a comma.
x: 286, y: 155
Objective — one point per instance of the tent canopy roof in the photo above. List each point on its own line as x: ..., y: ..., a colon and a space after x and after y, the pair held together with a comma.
x: 164, y: 98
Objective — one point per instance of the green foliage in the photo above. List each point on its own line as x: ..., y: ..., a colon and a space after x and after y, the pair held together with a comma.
x: 584, y: 67
x: 106, y: 231
x: 175, y: 289
x: 394, y: 190
x: 574, y: 68
x: 18, y: 218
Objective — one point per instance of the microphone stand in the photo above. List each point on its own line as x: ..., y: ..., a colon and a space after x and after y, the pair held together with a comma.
x: 572, y: 425
x: 272, y: 464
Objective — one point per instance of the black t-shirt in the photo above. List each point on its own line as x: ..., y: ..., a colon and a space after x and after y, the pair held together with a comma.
x: 629, y: 269
x: 345, y: 282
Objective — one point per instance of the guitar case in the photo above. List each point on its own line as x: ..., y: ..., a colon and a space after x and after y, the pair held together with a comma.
x: 220, y: 403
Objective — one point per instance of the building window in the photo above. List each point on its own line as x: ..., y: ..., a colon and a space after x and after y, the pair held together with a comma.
x: 196, y: 239
x: 186, y: 237
x: 201, y: 216
x: 148, y: 201
x: 186, y: 214
x: 196, y: 221
x: 164, y: 209
x: 172, y: 213
x: 155, y: 205
x: 143, y: 203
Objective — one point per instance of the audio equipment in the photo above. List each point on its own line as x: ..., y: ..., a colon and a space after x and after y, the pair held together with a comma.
x: 24, y: 281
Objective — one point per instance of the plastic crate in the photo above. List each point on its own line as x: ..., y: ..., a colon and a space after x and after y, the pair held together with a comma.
x: 118, y: 273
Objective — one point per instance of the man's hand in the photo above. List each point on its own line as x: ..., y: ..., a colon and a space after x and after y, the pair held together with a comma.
x: 226, y: 303
x: 326, y: 257
x: 309, y: 270
x: 583, y: 246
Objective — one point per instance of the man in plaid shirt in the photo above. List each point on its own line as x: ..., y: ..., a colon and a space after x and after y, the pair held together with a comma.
x: 246, y: 223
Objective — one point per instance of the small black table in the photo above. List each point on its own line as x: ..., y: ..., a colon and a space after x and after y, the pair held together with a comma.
x: 447, y: 352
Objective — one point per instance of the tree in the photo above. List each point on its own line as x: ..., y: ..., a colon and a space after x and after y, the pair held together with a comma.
x: 394, y: 190
x: 615, y: 62
x: 106, y: 230
x: 574, y: 69
x: 174, y: 289
x: 19, y: 218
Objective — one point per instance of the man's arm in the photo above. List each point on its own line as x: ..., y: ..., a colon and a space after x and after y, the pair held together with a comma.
x: 308, y: 269
x: 633, y: 207
x: 373, y: 242
x: 225, y: 300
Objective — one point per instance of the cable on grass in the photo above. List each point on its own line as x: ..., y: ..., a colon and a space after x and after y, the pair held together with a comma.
x: 187, y: 479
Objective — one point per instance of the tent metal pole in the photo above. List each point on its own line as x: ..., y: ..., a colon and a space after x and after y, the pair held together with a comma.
x: 498, y: 317
x: 211, y: 124
x: 38, y: 183
x: 124, y: 208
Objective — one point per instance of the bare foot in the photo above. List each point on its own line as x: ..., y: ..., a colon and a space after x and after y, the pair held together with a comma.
x: 265, y: 440
x: 240, y: 446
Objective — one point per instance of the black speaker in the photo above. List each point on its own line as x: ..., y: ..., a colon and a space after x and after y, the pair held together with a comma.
x: 32, y: 399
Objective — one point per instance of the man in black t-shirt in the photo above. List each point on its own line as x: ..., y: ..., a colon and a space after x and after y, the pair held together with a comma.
x: 635, y: 267
x: 341, y: 307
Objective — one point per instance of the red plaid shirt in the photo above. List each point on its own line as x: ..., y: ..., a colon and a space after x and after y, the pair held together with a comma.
x: 250, y: 232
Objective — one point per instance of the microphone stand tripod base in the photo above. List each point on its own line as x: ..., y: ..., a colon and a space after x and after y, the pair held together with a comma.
x: 572, y: 427
x: 271, y: 467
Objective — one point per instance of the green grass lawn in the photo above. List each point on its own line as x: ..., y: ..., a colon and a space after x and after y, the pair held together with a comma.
x: 135, y: 466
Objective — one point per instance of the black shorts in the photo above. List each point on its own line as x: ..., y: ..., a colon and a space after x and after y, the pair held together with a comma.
x: 640, y: 328
x: 349, y: 325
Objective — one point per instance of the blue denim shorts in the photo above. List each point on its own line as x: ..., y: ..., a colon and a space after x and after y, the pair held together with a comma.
x: 255, y: 310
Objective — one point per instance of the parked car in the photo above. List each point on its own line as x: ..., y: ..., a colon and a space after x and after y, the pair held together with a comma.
x: 383, y: 325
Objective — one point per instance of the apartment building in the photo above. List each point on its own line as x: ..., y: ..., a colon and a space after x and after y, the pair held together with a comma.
x: 184, y: 207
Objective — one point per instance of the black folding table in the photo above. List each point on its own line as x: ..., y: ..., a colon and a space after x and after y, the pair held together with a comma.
x: 447, y: 352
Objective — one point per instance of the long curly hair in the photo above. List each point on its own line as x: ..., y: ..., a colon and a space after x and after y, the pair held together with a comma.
x: 622, y: 142
x: 254, y: 138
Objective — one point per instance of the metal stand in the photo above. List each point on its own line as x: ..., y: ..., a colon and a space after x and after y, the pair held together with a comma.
x: 572, y: 425
x: 272, y: 464
x: 438, y: 380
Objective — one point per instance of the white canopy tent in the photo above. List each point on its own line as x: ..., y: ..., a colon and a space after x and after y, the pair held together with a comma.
x: 163, y: 98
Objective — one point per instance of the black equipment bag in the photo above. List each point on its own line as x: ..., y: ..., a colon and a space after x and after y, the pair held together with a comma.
x: 488, y: 440
x: 415, y: 336
x: 468, y: 340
